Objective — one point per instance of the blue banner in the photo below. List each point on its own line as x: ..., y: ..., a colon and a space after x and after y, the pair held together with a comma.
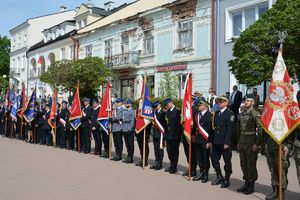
x: 147, y: 110
x: 29, y: 110
x: 14, y: 109
x: 104, y: 123
x: 75, y: 123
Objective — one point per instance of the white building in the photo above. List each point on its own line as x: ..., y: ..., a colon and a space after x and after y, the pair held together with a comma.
x: 26, y: 35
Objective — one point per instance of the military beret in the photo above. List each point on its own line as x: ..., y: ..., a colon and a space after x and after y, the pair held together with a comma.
x: 166, y: 101
x: 222, y: 99
x: 155, y: 103
x: 129, y: 101
x: 119, y: 100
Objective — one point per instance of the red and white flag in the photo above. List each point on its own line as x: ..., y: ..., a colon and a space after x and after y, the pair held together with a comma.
x: 187, y: 110
x: 280, y: 115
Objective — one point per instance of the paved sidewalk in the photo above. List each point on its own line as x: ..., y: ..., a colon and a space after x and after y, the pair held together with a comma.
x: 36, y: 172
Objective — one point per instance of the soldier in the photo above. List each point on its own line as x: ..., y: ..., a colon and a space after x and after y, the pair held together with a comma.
x: 220, y: 142
x: 297, y: 153
x: 117, y: 121
x: 40, y: 134
x: 96, y: 127
x: 172, y: 135
x: 70, y: 133
x: 85, y: 133
x: 249, y: 136
x: 46, y: 126
x: 61, y: 124
x: 203, y: 123
x: 159, y: 127
x: 128, y: 130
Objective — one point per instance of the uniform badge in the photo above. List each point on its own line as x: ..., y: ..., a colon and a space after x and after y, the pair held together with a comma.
x: 232, y: 118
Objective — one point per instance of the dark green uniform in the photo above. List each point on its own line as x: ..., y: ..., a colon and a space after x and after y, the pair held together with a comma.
x: 295, y: 138
x: 249, y: 133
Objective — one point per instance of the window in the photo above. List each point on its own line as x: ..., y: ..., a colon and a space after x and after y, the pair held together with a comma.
x: 148, y: 47
x: 124, y: 44
x: 24, y: 63
x: 108, y: 48
x: 185, y: 34
x: 238, y: 19
x: 63, y: 53
x: 71, y: 52
x: 88, y: 51
x: 18, y: 63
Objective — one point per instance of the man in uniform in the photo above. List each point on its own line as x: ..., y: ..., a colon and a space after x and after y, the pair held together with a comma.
x: 159, y: 126
x: 249, y: 136
x: 220, y: 140
x: 128, y: 130
x: 140, y: 141
x: 203, y: 124
x: 46, y: 126
x: 172, y: 134
x: 70, y: 133
x: 61, y: 124
x: 96, y: 127
x: 117, y: 123
x: 85, y: 133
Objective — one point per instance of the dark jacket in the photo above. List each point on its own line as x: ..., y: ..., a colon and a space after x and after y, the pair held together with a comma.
x: 206, y: 123
x: 95, y: 122
x: 62, y: 115
x: 224, y: 125
x: 174, y: 129
x: 46, y: 125
x: 161, y: 117
x: 86, y: 119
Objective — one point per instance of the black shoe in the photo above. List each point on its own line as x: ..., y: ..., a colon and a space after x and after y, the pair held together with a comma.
x: 105, y: 155
x: 225, y: 183
x: 173, y: 171
x: 168, y: 169
x: 153, y: 166
x: 250, y: 188
x: 130, y: 160
x: 205, y: 176
x: 244, y: 187
x: 186, y: 173
x: 158, y: 167
x: 117, y: 158
x: 139, y: 164
x: 197, y: 178
x: 125, y: 160
x: 274, y: 194
x: 219, y: 179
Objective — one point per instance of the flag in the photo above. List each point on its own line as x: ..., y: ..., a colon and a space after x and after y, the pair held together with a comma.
x: 103, y: 115
x: 14, y: 109
x: 187, y: 111
x: 22, y: 101
x: 280, y: 115
x: 75, y: 113
x: 53, y: 112
x: 7, y: 100
x: 145, y: 110
x: 29, y: 107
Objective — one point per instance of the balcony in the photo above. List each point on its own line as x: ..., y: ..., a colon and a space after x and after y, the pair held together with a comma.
x: 123, y: 60
x: 34, y: 73
x: 15, y: 72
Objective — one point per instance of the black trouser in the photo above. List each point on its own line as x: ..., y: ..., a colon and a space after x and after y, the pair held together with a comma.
x: 78, y: 140
x: 118, y: 143
x: 39, y: 134
x: 202, y: 156
x: 158, y: 152
x: 58, y: 136
x: 140, y: 140
x: 105, y: 140
x: 186, y: 151
x: 49, y: 137
x: 173, y: 152
x: 98, y: 141
x: 129, y: 142
x: 85, y: 136
x: 218, y: 151
x: 62, y: 137
x: 70, y: 138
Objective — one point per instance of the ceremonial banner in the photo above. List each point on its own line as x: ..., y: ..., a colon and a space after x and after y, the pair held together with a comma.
x: 75, y: 114
x: 280, y: 115
x: 187, y: 111
x: 103, y: 115
x: 14, y: 109
x: 29, y: 108
x: 53, y: 112
x: 145, y: 110
x: 22, y: 101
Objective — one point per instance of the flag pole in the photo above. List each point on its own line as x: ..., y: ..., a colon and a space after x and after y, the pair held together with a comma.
x: 280, y: 172
x: 110, y: 128
x: 144, y: 148
x: 190, y: 159
x: 78, y: 140
x: 21, y: 131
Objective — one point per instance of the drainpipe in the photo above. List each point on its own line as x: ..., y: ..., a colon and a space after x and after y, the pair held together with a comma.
x: 213, y: 84
x: 76, y: 46
x: 217, y: 44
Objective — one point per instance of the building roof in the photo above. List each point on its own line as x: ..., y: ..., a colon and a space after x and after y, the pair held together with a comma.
x: 42, y: 43
x: 67, y: 21
x: 128, y: 11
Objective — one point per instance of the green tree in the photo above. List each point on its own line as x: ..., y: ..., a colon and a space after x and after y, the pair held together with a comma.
x: 4, y: 55
x: 90, y: 72
x: 169, y: 85
x: 256, y: 49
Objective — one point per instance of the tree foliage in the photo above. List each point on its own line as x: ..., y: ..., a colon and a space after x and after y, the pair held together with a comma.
x: 256, y: 49
x: 169, y: 85
x: 90, y: 72
x: 4, y: 55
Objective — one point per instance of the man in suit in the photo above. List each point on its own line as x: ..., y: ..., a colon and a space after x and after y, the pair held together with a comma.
x: 117, y: 123
x: 235, y: 100
x: 46, y: 127
x: 128, y: 130
x: 70, y: 132
x: 96, y: 127
x: 172, y: 135
x: 159, y: 127
x: 203, y: 124
x: 61, y: 124
x: 86, y: 126
x: 220, y: 140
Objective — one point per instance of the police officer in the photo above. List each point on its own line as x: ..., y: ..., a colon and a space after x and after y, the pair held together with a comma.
x: 46, y: 126
x: 172, y: 135
x: 128, y: 130
x: 220, y: 142
x: 203, y: 125
x: 96, y: 127
x: 249, y: 136
x: 159, y: 128
x: 61, y: 124
x: 86, y: 126
x: 117, y: 123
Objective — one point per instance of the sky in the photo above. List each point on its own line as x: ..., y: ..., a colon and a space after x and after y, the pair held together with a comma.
x: 15, y: 12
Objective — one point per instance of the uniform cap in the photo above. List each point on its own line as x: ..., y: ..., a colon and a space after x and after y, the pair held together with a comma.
x: 166, y: 101
x: 155, y: 103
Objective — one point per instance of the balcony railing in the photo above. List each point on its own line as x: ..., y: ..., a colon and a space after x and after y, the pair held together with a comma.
x: 122, y: 60
x: 15, y: 72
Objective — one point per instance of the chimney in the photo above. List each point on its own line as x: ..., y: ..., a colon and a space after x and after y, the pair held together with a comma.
x: 63, y: 8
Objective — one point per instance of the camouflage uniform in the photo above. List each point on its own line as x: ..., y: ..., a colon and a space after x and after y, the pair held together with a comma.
x: 295, y: 137
x: 249, y: 133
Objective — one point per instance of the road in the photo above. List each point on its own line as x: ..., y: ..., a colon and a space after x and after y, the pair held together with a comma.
x: 34, y: 172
